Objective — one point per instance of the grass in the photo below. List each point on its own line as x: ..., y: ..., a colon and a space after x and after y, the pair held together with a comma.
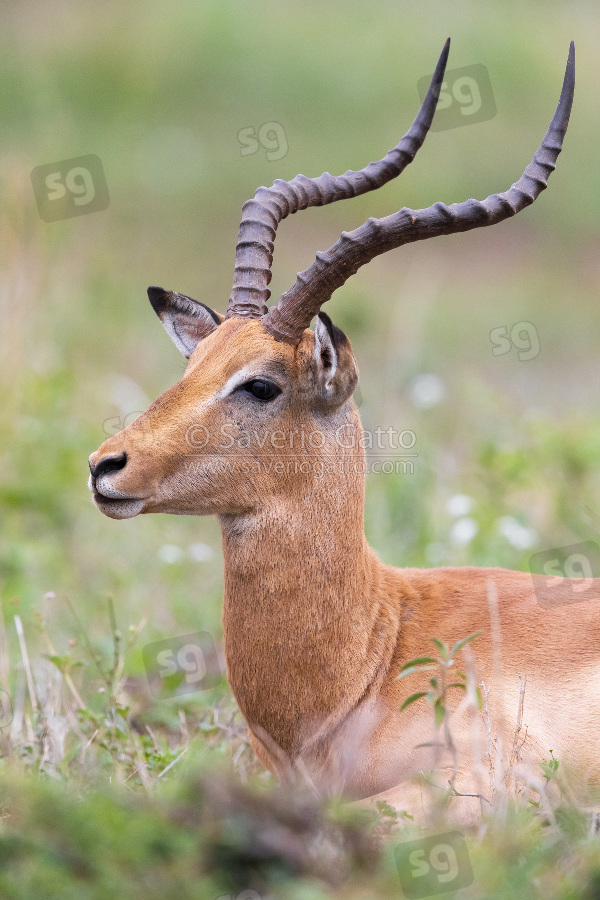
x: 92, y: 765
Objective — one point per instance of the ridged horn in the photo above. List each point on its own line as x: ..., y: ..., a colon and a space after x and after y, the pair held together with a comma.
x: 262, y: 214
x: 313, y: 287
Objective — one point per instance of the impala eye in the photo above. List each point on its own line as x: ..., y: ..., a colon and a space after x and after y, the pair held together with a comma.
x: 262, y: 390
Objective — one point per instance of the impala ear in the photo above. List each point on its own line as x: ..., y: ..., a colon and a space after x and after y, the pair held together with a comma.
x: 335, y: 367
x: 186, y: 321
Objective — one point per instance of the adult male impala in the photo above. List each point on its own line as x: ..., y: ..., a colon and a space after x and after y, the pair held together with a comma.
x: 316, y: 627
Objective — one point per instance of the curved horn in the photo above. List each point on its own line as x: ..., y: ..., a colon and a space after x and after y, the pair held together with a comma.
x: 262, y: 214
x: 293, y: 313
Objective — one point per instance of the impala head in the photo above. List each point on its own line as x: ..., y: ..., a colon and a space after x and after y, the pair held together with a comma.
x: 215, y: 442
x: 260, y: 388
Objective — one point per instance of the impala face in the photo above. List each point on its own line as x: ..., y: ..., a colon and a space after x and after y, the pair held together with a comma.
x: 210, y: 443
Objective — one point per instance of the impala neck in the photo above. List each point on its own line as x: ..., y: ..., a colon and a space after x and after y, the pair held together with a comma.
x: 300, y: 606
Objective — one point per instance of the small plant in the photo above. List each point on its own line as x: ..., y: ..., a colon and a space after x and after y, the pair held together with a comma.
x: 549, y: 766
x: 390, y: 819
x: 437, y: 694
x: 549, y: 769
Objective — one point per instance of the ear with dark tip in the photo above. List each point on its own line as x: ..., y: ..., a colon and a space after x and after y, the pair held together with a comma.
x: 335, y: 367
x: 186, y: 321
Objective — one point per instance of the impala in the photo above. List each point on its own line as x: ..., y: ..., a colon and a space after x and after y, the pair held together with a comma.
x: 316, y: 627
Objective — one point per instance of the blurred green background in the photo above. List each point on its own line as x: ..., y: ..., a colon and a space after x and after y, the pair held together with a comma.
x: 159, y: 92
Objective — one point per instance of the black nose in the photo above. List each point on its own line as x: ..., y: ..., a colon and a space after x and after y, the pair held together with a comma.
x: 109, y: 464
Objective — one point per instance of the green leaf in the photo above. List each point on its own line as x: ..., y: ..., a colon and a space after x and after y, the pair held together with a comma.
x: 418, y: 661
x: 412, y: 699
x: 430, y: 744
x: 442, y: 647
x: 460, y: 644
x: 61, y: 662
x: 384, y: 809
x: 440, y: 711
x: 458, y: 684
x: 414, y: 669
x: 434, y: 683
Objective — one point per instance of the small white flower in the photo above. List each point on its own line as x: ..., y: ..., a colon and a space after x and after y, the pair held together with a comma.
x: 459, y: 505
x: 463, y: 531
x: 200, y: 552
x: 516, y: 534
x: 426, y: 390
x: 170, y: 554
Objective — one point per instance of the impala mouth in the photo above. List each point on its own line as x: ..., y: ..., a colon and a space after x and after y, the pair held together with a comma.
x: 114, y: 503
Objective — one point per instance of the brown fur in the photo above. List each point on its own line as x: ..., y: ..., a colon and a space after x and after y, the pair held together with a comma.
x: 316, y: 627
